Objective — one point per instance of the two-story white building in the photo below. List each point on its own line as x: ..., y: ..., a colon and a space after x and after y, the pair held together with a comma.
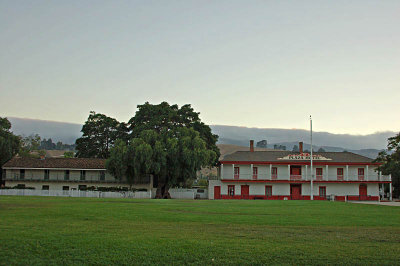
x: 64, y: 174
x: 287, y: 175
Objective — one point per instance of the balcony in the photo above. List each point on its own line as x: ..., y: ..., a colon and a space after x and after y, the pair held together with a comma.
x: 295, y: 177
x: 360, y: 177
x: 340, y: 178
x: 96, y: 178
x: 319, y: 177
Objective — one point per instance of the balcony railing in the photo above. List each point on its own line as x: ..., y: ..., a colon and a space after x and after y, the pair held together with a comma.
x: 303, y: 177
x: 61, y: 178
x: 295, y: 177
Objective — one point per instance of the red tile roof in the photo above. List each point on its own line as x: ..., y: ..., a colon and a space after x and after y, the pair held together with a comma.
x: 64, y: 163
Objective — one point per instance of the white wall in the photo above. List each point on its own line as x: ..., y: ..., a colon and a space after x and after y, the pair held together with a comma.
x: 338, y: 189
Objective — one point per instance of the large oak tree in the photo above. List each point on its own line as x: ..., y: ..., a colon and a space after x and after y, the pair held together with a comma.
x: 168, y: 142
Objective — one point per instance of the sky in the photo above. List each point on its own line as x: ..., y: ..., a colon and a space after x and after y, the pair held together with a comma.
x: 266, y: 64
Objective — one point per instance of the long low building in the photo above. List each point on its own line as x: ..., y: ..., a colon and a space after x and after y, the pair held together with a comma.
x: 64, y: 174
x: 287, y: 175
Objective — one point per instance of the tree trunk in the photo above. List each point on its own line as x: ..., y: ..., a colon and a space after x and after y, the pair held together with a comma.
x: 162, y: 191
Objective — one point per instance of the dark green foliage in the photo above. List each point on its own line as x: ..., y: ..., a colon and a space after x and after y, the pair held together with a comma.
x: 295, y: 148
x: 164, y: 118
x: 321, y: 150
x: 391, y: 162
x: 9, y: 143
x: 99, y: 134
x: 168, y: 142
x: 48, y: 144
x: 69, y: 154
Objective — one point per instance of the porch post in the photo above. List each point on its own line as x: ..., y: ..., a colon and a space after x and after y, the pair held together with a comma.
x: 288, y: 167
x: 366, y: 174
x: 390, y: 188
x: 233, y: 171
x: 327, y: 172
x: 347, y: 173
x: 251, y: 171
x: 222, y: 171
x: 306, y: 175
x: 270, y: 171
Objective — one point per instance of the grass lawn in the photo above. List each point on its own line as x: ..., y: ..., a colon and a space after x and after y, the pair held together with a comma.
x: 50, y: 230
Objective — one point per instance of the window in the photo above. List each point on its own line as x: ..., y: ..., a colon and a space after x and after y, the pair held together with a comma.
x: 360, y: 173
x: 319, y: 173
x: 65, y: 187
x: 82, y: 187
x: 340, y: 173
x: 322, y: 192
x: 45, y: 187
x: 66, y: 175
x: 46, y: 174
x: 22, y: 174
x: 102, y: 175
x: 231, y: 190
x: 236, y: 173
x: 255, y: 172
x: 274, y: 172
x: 83, y: 174
x: 268, y: 191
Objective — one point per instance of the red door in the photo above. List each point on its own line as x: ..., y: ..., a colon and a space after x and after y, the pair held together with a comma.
x: 363, y: 192
x: 295, y: 192
x: 244, y: 191
x: 217, y: 192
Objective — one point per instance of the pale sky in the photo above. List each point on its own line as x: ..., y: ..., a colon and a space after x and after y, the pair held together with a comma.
x: 267, y: 64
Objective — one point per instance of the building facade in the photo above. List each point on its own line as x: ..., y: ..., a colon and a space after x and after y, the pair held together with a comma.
x: 287, y: 175
x: 64, y: 174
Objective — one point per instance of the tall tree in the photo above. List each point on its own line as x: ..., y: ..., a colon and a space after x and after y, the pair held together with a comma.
x: 168, y: 142
x: 9, y: 143
x: 172, y: 157
x: 391, y: 162
x: 166, y: 117
x: 99, y: 134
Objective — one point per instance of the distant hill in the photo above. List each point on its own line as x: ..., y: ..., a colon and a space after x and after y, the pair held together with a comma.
x: 57, y: 131
x: 242, y: 135
x: 367, y: 145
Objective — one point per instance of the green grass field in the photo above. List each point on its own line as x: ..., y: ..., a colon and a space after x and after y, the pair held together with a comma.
x: 49, y: 230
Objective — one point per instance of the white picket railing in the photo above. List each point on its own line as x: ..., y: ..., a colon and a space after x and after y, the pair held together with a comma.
x: 176, y: 193
x: 76, y: 193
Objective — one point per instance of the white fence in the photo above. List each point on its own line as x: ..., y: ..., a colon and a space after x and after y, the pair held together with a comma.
x: 76, y: 193
x: 185, y: 193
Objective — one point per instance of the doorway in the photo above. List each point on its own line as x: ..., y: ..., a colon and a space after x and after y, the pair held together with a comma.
x: 295, y: 191
x: 217, y: 192
x: 244, y: 191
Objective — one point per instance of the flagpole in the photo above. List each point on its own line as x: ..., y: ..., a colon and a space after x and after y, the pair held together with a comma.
x: 311, y: 159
